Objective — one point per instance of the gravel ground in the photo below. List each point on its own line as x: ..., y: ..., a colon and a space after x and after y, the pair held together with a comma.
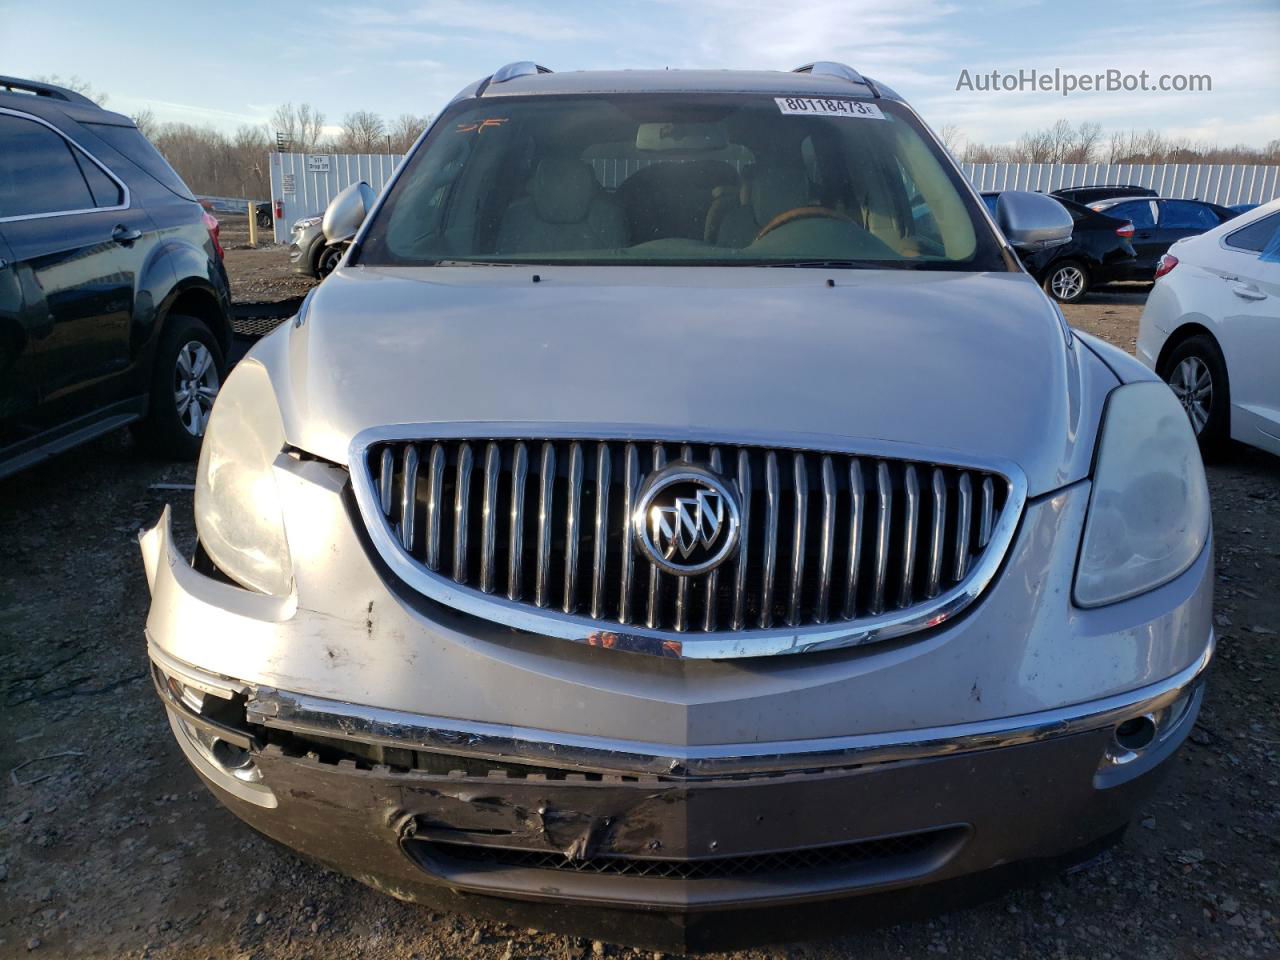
x: 260, y: 274
x: 110, y: 847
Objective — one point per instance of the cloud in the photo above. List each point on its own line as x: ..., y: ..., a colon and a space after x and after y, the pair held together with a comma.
x: 872, y: 37
x: 481, y: 17
x: 187, y: 112
x: 1236, y: 48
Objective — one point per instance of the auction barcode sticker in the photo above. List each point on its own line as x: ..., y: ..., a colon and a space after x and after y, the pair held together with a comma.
x: 824, y: 107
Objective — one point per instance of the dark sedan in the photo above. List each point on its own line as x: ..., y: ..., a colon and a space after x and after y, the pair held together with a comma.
x: 1159, y: 222
x: 1099, y: 252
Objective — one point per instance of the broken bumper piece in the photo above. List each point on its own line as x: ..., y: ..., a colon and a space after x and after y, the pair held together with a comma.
x: 697, y: 848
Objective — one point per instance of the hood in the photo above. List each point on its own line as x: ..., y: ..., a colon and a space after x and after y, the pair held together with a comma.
x: 978, y: 366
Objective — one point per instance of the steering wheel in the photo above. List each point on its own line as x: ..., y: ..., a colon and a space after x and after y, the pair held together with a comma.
x: 802, y: 213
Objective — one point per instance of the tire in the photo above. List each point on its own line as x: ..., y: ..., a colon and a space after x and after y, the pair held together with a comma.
x: 1197, y: 373
x: 327, y: 259
x: 188, y: 371
x: 1067, y: 281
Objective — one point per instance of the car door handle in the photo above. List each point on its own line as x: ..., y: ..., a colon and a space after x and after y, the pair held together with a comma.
x: 1246, y: 291
x: 123, y: 234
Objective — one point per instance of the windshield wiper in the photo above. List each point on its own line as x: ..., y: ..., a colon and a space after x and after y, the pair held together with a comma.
x: 477, y: 263
x: 842, y: 264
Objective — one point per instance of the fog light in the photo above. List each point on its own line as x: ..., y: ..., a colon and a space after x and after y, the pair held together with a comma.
x: 235, y: 760
x: 1137, y: 733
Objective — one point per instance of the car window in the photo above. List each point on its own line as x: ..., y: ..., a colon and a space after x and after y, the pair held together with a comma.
x: 685, y: 179
x: 1187, y: 215
x: 1256, y: 236
x: 106, y: 192
x: 38, y: 172
x: 131, y: 144
x: 1138, y: 212
x: 1078, y: 211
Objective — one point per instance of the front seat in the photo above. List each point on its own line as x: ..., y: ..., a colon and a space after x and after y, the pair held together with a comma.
x: 566, y: 210
x: 769, y: 191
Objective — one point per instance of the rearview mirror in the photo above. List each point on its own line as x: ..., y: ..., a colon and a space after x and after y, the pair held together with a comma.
x: 1033, y: 221
x: 346, y: 211
x: 680, y: 137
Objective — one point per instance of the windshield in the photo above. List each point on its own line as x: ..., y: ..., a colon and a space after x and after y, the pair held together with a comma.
x: 680, y: 179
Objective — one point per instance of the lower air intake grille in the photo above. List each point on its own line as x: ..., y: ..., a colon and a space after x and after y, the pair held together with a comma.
x: 911, y: 846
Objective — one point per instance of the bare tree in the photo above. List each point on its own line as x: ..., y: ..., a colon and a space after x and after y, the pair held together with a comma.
x: 146, y: 122
x: 1088, y: 137
x: 1087, y: 142
x: 363, y: 132
x: 406, y: 129
x: 1035, y: 146
x: 301, y: 126
x: 216, y: 164
x: 75, y: 83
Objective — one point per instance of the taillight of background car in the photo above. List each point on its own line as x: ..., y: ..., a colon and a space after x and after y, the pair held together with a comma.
x: 1167, y: 263
x: 211, y: 224
x: 1125, y: 231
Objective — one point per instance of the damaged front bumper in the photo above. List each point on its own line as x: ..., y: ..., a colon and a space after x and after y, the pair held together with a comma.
x: 506, y: 822
x: 665, y: 844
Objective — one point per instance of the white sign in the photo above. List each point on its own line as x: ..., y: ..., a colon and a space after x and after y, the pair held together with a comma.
x: 286, y: 184
x: 826, y: 107
x: 318, y: 163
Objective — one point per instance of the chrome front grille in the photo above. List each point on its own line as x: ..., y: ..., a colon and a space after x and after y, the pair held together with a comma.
x: 834, y: 548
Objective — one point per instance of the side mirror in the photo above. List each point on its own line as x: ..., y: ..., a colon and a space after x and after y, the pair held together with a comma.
x: 346, y: 211
x: 1032, y: 221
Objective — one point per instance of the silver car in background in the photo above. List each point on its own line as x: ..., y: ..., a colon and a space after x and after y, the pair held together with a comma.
x: 680, y: 514
x: 310, y: 251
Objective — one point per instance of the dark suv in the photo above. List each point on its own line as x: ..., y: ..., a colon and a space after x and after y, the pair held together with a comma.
x: 114, y: 302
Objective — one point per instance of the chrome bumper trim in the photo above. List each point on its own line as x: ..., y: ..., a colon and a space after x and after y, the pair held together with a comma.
x: 303, y: 714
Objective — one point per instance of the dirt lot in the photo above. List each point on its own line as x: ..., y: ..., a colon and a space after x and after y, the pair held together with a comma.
x: 258, y: 274
x: 109, y: 846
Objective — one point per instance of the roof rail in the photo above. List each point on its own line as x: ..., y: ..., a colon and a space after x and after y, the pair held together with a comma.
x: 44, y: 90
x: 521, y: 68
x: 829, y: 68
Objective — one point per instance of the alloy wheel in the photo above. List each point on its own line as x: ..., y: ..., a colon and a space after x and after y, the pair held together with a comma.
x: 329, y: 261
x: 195, y: 385
x: 1067, y: 283
x: 1192, y: 384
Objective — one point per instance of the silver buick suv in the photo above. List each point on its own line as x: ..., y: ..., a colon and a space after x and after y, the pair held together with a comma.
x: 678, y: 514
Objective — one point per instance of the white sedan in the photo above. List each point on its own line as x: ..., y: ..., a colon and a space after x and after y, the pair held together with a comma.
x: 1211, y: 328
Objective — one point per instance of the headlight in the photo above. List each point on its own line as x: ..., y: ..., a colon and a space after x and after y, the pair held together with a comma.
x: 238, y: 514
x: 306, y: 222
x: 1149, y: 509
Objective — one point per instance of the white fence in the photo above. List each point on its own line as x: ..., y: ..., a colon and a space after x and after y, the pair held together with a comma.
x: 1218, y: 183
x: 302, y: 184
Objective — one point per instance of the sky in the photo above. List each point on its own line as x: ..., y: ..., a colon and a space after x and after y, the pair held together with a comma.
x: 232, y: 62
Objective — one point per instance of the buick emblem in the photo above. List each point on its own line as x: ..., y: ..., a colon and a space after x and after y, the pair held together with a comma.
x: 686, y: 519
